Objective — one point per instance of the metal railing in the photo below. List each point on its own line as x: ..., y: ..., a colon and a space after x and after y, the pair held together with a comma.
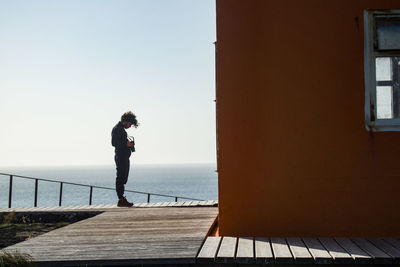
x: 76, y: 184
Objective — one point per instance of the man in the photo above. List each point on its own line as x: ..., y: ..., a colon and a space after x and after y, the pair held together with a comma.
x: 123, y: 150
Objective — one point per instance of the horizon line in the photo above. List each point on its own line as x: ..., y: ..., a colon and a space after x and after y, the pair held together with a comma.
x: 109, y: 164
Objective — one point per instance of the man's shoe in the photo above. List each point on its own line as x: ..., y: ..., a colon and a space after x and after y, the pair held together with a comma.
x: 122, y: 202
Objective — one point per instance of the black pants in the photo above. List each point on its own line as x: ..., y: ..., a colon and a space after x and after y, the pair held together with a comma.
x: 122, y: 174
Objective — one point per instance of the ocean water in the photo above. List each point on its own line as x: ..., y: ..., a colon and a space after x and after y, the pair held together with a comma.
x: 198, y: 181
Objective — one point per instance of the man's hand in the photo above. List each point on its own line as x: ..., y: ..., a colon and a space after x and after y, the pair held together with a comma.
x: 130, y: 144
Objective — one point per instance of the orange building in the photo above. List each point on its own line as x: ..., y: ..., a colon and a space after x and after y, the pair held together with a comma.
x: 307, y: 130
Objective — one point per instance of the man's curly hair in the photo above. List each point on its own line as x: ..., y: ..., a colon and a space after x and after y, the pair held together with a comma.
x: 130, y: 117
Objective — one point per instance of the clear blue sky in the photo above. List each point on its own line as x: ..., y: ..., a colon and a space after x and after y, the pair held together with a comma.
x: 69, y: 69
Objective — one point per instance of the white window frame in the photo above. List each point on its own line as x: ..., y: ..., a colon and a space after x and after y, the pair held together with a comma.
x: 372, y: 123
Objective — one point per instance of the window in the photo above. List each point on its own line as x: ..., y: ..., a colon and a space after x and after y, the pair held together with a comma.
x: 382, y: 70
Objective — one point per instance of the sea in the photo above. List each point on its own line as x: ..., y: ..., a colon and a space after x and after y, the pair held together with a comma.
x: 199, y: 181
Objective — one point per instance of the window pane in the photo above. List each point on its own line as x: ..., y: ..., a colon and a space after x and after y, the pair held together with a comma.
x: 384, y: 101
x: 388, y: 32
x: 383, y: 69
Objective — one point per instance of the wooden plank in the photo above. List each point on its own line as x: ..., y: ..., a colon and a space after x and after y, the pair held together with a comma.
x: 318, y: 251
x: 299, y: 251
x: 359, y: 255
x: 83, y: 250
x: 393, y: 242
x: 182, y: 204
x: 22, y: 209
x: 245, y: 250
x: 379, y: 257
x: 196, y: 203
x: 190, y: 203
x: 281, y: 251
x: 209, y: 203
x: 26, y: 209
x: 202, y: 203
x: 226, y: 252
x: 177, y: 204
x: 263, y: 251
x: 339, y: 255
x: 209, y: 250
x: 387, y: 248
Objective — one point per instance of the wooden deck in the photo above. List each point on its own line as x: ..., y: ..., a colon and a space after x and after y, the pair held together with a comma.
x: 161, y: 234
x: 306, y: 251
x: 125, y: 237
x: 209, y: 203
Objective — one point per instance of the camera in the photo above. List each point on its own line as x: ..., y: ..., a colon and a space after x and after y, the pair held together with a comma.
x: 132, y: 140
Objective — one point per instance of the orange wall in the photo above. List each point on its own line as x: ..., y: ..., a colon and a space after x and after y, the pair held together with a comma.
x: 294, y: 158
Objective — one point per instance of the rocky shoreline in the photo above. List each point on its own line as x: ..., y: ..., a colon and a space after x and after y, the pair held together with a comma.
x: 20, y: 226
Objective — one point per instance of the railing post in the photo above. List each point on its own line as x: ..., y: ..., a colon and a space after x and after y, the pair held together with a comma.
x: 36, y: 191
x: 91, y: 193
x: 10, y: 192
x: 61, y: 188
x: 76, y: 184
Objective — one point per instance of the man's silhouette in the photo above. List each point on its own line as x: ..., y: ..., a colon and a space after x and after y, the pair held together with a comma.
x: 123, y: 150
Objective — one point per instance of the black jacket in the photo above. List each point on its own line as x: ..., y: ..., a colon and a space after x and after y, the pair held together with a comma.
x: 119, y: 138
